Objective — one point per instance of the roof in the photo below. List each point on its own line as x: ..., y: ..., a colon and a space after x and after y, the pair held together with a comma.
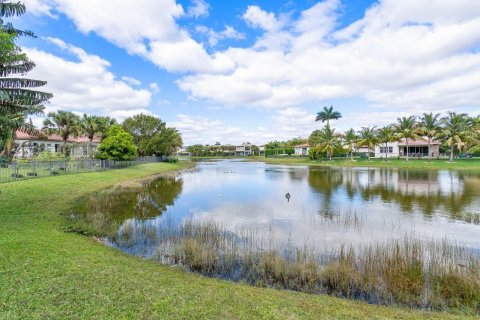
x: 302, y: 146
x: 20, y: 135
x: 245, y: 144
x: 418, y: 142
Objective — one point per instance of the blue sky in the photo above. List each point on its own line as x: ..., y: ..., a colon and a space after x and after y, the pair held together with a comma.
x: 234, y: 71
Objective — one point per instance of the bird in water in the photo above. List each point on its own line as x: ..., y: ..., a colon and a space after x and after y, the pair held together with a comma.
x: 288, y: 196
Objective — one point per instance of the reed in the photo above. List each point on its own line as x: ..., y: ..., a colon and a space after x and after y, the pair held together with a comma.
x: 406, y: 272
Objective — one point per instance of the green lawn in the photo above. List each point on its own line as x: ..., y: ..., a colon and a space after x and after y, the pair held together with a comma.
x: 46, y: 273
x: 460, y: 164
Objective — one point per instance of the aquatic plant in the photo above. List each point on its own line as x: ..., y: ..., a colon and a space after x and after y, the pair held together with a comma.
x: 408, y: 272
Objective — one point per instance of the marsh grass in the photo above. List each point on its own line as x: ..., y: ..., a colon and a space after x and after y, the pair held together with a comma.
x: 471, y: 217
x: 347, y: 219
x: 408, y: 272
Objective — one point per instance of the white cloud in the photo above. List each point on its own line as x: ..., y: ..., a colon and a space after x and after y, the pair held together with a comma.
x: 132, y: 81
x: 187, y: 55
x: 143, y: 27
x: 198, y: 8
x: 154, y: 87
x: 294, y: 122
x: 202, y: 130
x: 121, y: 115
x: 84, y: 83
x: 410, y: 55
x: 258, y: 18
x: 40, y: 7
x: 214, y: 36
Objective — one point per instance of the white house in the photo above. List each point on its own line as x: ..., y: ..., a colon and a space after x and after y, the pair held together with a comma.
x: 245, y: 149
x: 28, y: 145
x: 302, y: 150
x: 416, y: 148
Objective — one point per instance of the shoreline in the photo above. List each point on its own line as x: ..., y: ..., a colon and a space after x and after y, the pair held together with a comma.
x: 51, y: 273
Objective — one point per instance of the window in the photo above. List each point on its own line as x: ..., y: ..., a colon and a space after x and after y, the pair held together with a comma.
x: 386, y: 149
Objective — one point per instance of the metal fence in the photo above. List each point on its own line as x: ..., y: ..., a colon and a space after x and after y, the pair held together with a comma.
x: 28, y: 169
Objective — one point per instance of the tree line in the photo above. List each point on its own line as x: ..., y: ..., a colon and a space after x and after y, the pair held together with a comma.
x: 457, y: 132
x: 139, y: 135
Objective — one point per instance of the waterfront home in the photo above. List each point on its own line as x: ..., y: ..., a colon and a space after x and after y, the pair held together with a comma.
x: 416, y: 148
x: 245, y: 149
x: 261, y: 150
x: 302, y: 150
x: 27, y: 145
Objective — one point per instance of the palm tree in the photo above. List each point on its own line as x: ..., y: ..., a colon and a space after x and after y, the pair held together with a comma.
x: 367, y: 137
x: 328, y: 114
x: 63, y: 123
x: 386, y: 135
x: 92, y: 126
x: 328, y: 141
x: 455, y: 130
x: 473, y: 137
x: 406, y: 128
x: 8, y: 128
x: 350, y: 139
x: 430, y: 127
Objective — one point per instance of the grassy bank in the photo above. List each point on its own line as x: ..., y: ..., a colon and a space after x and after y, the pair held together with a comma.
x: 46, y: 273
x: 458, y: 164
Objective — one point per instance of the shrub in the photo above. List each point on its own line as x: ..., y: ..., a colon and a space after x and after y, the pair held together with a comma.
x: 117, y: 145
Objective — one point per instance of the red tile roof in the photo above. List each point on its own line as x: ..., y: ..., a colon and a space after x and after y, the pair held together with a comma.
x: 20, y: 135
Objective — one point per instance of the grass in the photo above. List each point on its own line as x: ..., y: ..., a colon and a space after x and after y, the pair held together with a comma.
x: 46, y: 273
x: 409, y: 272
x: 457, y: 164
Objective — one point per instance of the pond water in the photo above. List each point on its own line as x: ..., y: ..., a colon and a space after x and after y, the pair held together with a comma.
x: 327, y: 208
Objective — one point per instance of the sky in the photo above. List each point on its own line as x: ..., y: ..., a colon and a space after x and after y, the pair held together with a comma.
x: 236, y: 71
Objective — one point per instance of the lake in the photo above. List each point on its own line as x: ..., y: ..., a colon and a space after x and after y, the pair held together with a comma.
x: 328, y: 207
x: 390, y: 236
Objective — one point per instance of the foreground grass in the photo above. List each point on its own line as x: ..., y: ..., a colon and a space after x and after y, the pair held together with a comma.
x: 46, y: 273
x: 458, y: 164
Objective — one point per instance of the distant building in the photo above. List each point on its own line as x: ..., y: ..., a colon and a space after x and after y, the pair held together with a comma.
x: 183, y: 152
x: 261, y: 150
x: 416, y: 148
x: 245, y: 149
x: 28, y: 145
x: 302, y: 150
x: 362, y: 149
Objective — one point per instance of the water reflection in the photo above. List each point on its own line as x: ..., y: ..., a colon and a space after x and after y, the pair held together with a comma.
x: 328, y: 207
x: 105, y: 212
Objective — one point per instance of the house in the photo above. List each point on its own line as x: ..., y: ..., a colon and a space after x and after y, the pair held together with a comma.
x: 183, y: 152
x: 245, y: 149
x: 416, y: 148
x: 28, y: 145
x: 261, y: 150
x: 302, y: 150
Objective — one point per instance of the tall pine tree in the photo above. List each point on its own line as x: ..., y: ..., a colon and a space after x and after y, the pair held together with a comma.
x: 18, y: 97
